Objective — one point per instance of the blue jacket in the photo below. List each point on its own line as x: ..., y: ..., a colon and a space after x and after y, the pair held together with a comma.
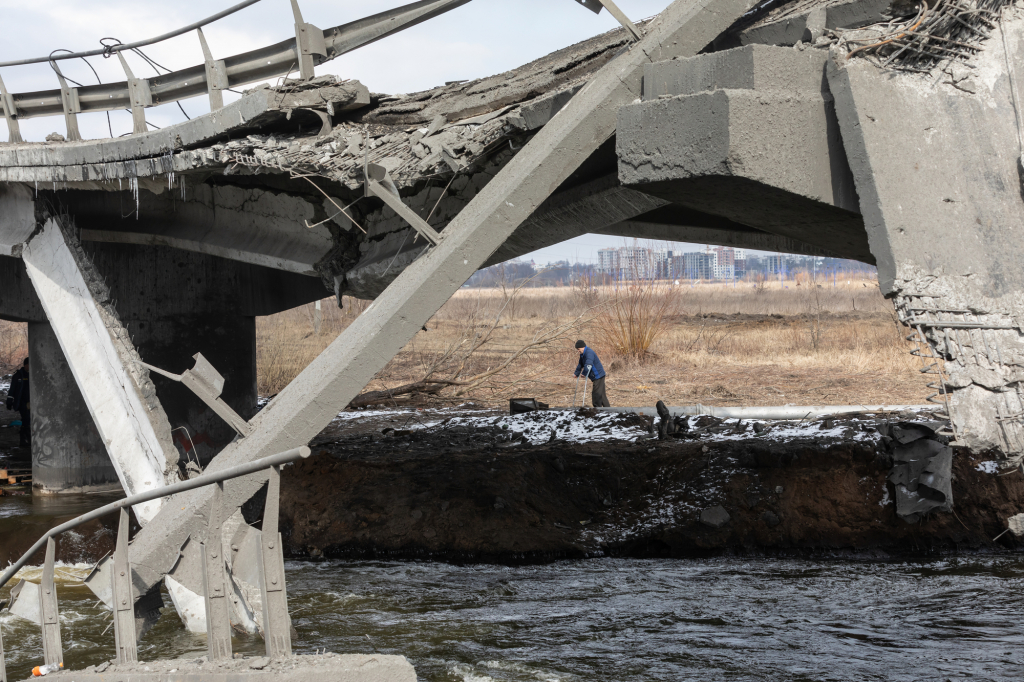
x: 589, y: 357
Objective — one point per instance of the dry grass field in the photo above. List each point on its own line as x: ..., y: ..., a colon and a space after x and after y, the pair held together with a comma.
x: 751, y: 344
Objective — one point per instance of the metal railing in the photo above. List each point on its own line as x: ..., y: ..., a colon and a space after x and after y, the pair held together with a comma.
x: 269, y: 560
x: 310, y: 47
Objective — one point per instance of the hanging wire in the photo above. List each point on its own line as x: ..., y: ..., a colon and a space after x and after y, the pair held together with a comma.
x: 109, y: 51
x: 53, y: 65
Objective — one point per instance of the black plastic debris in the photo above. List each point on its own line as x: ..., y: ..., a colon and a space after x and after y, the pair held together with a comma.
x: 521, y: 405
x: 922, y: 469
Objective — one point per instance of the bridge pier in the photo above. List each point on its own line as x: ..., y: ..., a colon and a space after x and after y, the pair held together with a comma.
x: 68, y: 455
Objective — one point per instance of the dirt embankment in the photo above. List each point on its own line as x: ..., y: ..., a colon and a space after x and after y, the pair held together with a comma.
x: 468, y: 494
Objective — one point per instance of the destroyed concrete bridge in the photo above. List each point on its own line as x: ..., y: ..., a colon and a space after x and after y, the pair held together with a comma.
x: 886, y: 132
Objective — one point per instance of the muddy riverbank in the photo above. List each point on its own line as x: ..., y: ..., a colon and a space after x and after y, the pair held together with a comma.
x: 491, y: 488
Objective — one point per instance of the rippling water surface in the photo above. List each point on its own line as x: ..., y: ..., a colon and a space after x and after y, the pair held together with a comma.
x: 619, y: 619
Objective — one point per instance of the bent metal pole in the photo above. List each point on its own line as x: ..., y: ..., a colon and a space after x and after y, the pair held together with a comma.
x: 198, y: 482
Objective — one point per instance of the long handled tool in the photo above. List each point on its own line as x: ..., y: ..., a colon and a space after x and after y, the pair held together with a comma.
x: 585, y: 378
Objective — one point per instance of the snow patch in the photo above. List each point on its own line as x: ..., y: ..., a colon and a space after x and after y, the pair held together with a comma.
x: 988, y: 467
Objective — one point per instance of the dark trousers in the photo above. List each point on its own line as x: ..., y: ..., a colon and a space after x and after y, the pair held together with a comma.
x: 599, y: 397
x: 25, y: 435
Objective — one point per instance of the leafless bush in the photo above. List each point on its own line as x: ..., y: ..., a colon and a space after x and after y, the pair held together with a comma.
x: 635, y: 317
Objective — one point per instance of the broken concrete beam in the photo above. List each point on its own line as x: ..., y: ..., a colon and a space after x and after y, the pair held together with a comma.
x: 256, y: 109
x: 250, y: 225
x: 748, y: 134
x: 944, y: 212
x: 313, y: 399
x: 678, y: 224
x: 118, y: 392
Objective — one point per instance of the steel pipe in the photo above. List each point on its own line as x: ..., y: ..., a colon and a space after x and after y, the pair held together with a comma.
x: 781, y: 412
x: 183, y: 486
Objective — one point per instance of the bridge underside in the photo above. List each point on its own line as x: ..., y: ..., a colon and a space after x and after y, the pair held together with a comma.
x: 718, y: 126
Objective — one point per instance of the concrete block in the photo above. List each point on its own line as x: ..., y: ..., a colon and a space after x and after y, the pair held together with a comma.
x: 770, y: 158
x: 796, y: 22
x: 715, y: 517
x: 755, y: 67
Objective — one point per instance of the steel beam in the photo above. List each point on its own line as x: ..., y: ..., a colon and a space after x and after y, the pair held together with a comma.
x: 10, y: 114
x: 249, y: 67
x: 277, y: 625
x: 216, y: 74
x: 123, y: 601
x: 330, y: 382
x: 215, y: 582
x: 48, y: 610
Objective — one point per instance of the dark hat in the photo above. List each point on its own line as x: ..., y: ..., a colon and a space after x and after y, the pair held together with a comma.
x: 580, y: 344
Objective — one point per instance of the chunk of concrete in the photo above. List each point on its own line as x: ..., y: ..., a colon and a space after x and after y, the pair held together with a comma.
x: 748, y: 134
x: 715, y: 517
x: 800, y: 21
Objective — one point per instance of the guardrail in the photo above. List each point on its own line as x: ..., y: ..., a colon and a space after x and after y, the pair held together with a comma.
x: 310, y: 47
x: 270, y: 568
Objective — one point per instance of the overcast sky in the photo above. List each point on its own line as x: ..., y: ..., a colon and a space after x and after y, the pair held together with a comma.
x: 479, y: 39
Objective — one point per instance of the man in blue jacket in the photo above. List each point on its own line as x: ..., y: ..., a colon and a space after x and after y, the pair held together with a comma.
x: 590, y: 366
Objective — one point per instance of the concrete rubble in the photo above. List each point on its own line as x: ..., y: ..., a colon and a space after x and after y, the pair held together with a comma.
x: 328, y: 667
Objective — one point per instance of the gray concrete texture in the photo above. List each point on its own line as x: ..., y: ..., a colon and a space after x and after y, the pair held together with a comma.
x: 749, y: 134
x: 68, y: 454
x: 944, y: 216
x: 327, y: 667
x: 312, y: 400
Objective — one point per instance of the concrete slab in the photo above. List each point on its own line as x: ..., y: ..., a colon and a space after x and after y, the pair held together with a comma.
x: 326, y: 667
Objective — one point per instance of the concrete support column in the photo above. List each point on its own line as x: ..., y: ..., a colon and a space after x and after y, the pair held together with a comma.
x: 228, y: 341
x: 68, y: 454
x: 173, y: 305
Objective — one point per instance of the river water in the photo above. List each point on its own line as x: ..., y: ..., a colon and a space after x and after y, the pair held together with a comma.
x: 613, y: 620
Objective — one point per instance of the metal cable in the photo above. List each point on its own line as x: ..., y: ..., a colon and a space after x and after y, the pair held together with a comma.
x: 53, y: 66
x: 141, y: 43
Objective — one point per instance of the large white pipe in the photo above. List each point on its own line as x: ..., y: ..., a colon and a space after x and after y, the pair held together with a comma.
x: 773, y: 412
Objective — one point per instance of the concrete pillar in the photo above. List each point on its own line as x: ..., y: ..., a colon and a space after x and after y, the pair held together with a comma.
x: 228, y: 341
x: 175, y: 304
x: 68, y: 454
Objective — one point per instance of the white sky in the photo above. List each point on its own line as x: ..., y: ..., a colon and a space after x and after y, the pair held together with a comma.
x: 479, y: 39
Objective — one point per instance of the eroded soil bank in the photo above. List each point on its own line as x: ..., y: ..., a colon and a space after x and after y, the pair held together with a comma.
x: 460, y: 490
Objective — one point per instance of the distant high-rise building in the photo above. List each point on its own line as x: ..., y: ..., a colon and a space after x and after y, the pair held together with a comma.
x: 776, y: 264
x: 725, y: 260
x: 698, y: 265
x: 608, y: 262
